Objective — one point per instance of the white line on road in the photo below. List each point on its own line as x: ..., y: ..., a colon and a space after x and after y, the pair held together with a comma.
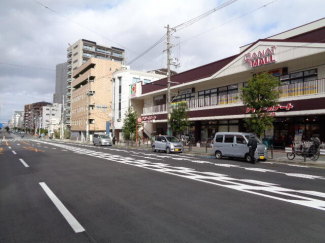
x: 9, y: 147
x: 63, y: 210
x: 14, y: 152
x: 23, y: 162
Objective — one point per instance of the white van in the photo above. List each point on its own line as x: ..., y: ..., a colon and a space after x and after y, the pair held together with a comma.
x: 234, y: 144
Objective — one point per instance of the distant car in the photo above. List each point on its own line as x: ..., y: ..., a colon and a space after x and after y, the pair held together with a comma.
x: 102, y: 139
x: 168, y: 144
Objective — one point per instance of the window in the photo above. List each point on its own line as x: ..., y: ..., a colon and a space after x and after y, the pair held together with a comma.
x: 75, y: 61
x: 229, y: 138
x: 75, y: 54
x: 240, y: 140
x: 145, y: 81
x: 219, y: 138
x: 135, y: 80
x: 75, y: 47
x: 299, y: 77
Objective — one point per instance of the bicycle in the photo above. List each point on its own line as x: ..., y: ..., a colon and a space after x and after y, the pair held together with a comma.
x: 312, y: 151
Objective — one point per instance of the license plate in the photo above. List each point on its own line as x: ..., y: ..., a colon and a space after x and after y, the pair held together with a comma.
x: 176, y: 149
x: 262, y: 157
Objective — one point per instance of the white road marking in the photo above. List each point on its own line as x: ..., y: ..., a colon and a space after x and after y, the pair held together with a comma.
x: 53, y: 148
x: 9, y: 147
x: 18, y: 144
x: 76, y: 226
x: 23, y: 162
x: 14, y: 152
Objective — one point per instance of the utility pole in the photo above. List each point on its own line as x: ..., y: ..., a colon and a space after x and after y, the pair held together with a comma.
x: 168, y: 81
x: 87, y: 109
x: 62, y: 119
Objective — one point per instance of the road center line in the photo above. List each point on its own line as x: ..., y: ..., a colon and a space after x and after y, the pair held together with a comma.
x: 63, y: 210
x: 14, y: 152
x: 23, y: 162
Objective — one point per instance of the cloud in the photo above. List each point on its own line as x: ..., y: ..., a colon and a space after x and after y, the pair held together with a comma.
x: 38, y: 37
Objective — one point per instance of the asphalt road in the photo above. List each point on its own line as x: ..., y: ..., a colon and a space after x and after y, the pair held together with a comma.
x: 82, y: 193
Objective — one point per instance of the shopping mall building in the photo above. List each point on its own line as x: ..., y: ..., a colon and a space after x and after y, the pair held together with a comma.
x: 296, y: 57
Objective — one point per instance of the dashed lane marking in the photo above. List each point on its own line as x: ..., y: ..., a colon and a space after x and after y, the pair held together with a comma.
x: 14, y: 152
x: 76, y: 226
x: 23, y: 162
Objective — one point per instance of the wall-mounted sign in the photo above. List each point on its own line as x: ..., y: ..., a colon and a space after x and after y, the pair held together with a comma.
x: 148, y: 118
x: 133, y: 90
x: 287, y: 107
x: 260, y: 58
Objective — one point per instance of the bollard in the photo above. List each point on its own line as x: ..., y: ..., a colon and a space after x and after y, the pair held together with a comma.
x: 271, y: 151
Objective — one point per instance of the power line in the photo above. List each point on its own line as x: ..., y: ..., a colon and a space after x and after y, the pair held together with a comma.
x: 227, y: 22
x: 182, y: 26
x: 10, y: 64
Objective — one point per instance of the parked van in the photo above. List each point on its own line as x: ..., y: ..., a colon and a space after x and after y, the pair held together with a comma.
x: 102, y: 139
x: 234, y: 144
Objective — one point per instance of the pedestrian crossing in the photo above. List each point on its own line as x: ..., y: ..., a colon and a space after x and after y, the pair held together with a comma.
x: 156, y: 162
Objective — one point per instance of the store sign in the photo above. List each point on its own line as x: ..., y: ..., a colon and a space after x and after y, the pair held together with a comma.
x: 148, y: 118
x: 287, y: 107
x: 133, y: 90
x: 260, y: 58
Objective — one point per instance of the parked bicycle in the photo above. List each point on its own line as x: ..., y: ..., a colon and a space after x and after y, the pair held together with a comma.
x: 306, y: 149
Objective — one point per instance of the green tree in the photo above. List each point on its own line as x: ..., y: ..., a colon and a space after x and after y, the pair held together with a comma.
x: 7, y: 129
x: 179, y: 118
x: 261, y: 92
x: 129, y: 125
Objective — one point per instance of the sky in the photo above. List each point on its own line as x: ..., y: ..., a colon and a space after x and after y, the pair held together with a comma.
x: 34, y: 39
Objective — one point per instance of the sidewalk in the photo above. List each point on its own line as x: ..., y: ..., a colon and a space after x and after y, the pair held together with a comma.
x: 279, y: 156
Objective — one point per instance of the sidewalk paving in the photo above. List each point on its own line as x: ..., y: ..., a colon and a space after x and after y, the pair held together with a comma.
x: 279, y: 156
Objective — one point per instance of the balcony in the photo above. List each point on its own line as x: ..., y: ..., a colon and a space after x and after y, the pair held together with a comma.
x: 155, y: 109
x: 68, y: 94
x: 68, y: 86
x: 69, y: 73
x: 117, y: 55
x: 68, y: 101
x: 69, y: 66
x: 69, y: 59
x: 69, y: 80
x: 67, y: 115
x: 88, y: 48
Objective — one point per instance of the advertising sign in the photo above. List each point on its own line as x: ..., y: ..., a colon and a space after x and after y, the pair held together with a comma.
x: 133, y: 90
x: 260, y: 58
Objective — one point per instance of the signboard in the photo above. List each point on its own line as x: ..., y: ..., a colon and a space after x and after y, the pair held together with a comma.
x: 287, y: 107
x: 148, y: 118
x: 133, y: 90
x: 260, y: 58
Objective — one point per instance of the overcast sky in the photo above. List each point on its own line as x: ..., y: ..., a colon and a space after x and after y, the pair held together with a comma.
x: 34, y: 36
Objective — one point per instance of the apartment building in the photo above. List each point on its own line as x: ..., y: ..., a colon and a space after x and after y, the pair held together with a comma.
x: 124, y: 87
x: 51, y: 117
x: 296, y: 57
x: 92, y: 91
x: 79, y: 53
x: 33, y: 114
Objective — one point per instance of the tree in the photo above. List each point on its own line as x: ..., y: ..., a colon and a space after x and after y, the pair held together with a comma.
x: 7, y: 129
x: 179, y: 117
x: 260, y: 93
x: 129, y: 124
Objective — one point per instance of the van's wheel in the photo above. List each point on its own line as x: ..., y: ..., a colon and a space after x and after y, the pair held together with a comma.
x: 218, y: 155
x: 153, y: 149
x: 168, y: 150
x: 250, y: 159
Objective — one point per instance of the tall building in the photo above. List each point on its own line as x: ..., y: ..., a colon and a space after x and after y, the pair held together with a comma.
x: 51, y: 117
x: 125, y: 83
x: 92, y: 97
x: 60, y: 83
x: 79, y: 53
x: 33, y: 114
x: 296, y: 57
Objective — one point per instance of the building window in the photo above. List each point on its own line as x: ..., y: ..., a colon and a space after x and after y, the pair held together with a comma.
x: 299, y: 77
x: 135, y: 80
x: 75, y: 54
x: 75, y: 61
x: 75, y: 47
x: 145, y: 81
